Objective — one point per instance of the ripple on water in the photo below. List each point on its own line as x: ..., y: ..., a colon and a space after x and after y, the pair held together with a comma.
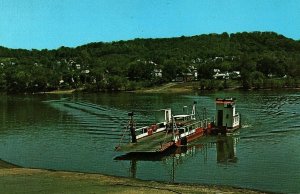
x: 80, y: 133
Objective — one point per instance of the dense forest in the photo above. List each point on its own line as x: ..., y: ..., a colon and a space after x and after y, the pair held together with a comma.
x: 262, y: 59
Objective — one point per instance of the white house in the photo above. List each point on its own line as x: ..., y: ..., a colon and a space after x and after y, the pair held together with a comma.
x: 221, y: 75
x: 193, y: 70
x: 217, y: 71
x: 78, y: 66
x: 157, y: 72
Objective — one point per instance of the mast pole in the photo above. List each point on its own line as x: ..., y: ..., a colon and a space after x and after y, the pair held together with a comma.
x: 132, y: 128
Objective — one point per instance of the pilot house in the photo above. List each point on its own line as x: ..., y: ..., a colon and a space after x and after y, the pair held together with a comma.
x: 226, y: 117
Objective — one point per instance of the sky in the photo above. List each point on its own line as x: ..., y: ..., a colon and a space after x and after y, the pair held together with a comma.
x: 50, y: 24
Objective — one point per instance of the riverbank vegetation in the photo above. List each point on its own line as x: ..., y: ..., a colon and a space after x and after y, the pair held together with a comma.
x: 215, y: 61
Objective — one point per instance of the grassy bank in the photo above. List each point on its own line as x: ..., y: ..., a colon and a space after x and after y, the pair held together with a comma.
x: 173, y: 87
x: 61, y: 91
x: 214, y: 85
x: 183, y: 87
x: 201, y: 85
x: 14, y: 179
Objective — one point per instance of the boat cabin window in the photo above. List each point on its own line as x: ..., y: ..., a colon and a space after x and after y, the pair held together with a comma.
x: 182, y: 118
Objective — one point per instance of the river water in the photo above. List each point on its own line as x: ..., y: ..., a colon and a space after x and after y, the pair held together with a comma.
x: 79, y: 132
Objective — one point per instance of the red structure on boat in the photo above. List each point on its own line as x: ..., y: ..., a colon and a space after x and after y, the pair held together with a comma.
x: 187, y: 128
x: 179, y: 130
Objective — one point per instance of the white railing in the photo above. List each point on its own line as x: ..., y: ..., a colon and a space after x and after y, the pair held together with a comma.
x: 236, y: 120
x: 149, y: 130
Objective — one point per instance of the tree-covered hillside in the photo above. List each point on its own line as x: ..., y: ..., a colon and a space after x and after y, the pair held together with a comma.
x: 127, y: 65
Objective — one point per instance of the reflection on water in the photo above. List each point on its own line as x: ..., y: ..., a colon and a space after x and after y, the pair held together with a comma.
x: 79, y: 132
x: 225, y: 147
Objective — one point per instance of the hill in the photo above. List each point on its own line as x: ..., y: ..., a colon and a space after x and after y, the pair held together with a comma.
x: 138, y: 63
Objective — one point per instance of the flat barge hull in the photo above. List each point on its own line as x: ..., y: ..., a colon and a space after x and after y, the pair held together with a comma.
x: 158, y: 142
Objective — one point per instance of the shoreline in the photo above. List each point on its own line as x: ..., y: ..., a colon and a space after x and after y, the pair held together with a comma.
x: 28, y: 180
x: 171, y: 87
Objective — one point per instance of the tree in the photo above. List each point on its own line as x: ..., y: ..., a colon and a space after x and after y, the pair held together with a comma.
x: 266, y: 65
x: 99, y: 75
x: 266, y: 52
x: 257, y: 79
x: 205, y: 71
x: 116, y: 83
x: 170, y: 69
x: 246, y: 79
x: 140, y: 71
x: 2, y: 80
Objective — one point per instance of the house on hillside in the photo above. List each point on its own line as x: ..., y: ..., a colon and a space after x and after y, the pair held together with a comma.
x: 221, y: 75
x: 193, y: 70
x: 191, y: 74
x: 78, y: 66
x: 226, y: 75
x: 217, y: 71
x: 87, y: 71
x: 235, y: 75
x: 157, y: 71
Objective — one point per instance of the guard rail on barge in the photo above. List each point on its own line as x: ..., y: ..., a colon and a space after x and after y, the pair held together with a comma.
x: 177, y: 130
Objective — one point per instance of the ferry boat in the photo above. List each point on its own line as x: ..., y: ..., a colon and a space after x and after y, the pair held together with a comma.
x: 179, y: 130
x: 174, y: 131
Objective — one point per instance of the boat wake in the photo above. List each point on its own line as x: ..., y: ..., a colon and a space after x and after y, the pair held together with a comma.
x: 93, y: 119
x: 244, y: 126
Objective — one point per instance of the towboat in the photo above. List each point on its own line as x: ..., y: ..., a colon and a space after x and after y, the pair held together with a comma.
x: 227, y: 120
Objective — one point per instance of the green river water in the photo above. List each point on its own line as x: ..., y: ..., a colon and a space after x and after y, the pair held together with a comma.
x: 79, y: 132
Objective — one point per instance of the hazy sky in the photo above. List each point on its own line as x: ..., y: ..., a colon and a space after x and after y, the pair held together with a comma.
x: 53, y: 23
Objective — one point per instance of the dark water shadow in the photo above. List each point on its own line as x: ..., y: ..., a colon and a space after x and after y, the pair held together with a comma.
x: 225, y: 147
x: 4, y: 164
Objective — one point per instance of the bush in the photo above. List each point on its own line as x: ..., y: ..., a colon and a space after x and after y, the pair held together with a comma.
x: 273, y: 83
